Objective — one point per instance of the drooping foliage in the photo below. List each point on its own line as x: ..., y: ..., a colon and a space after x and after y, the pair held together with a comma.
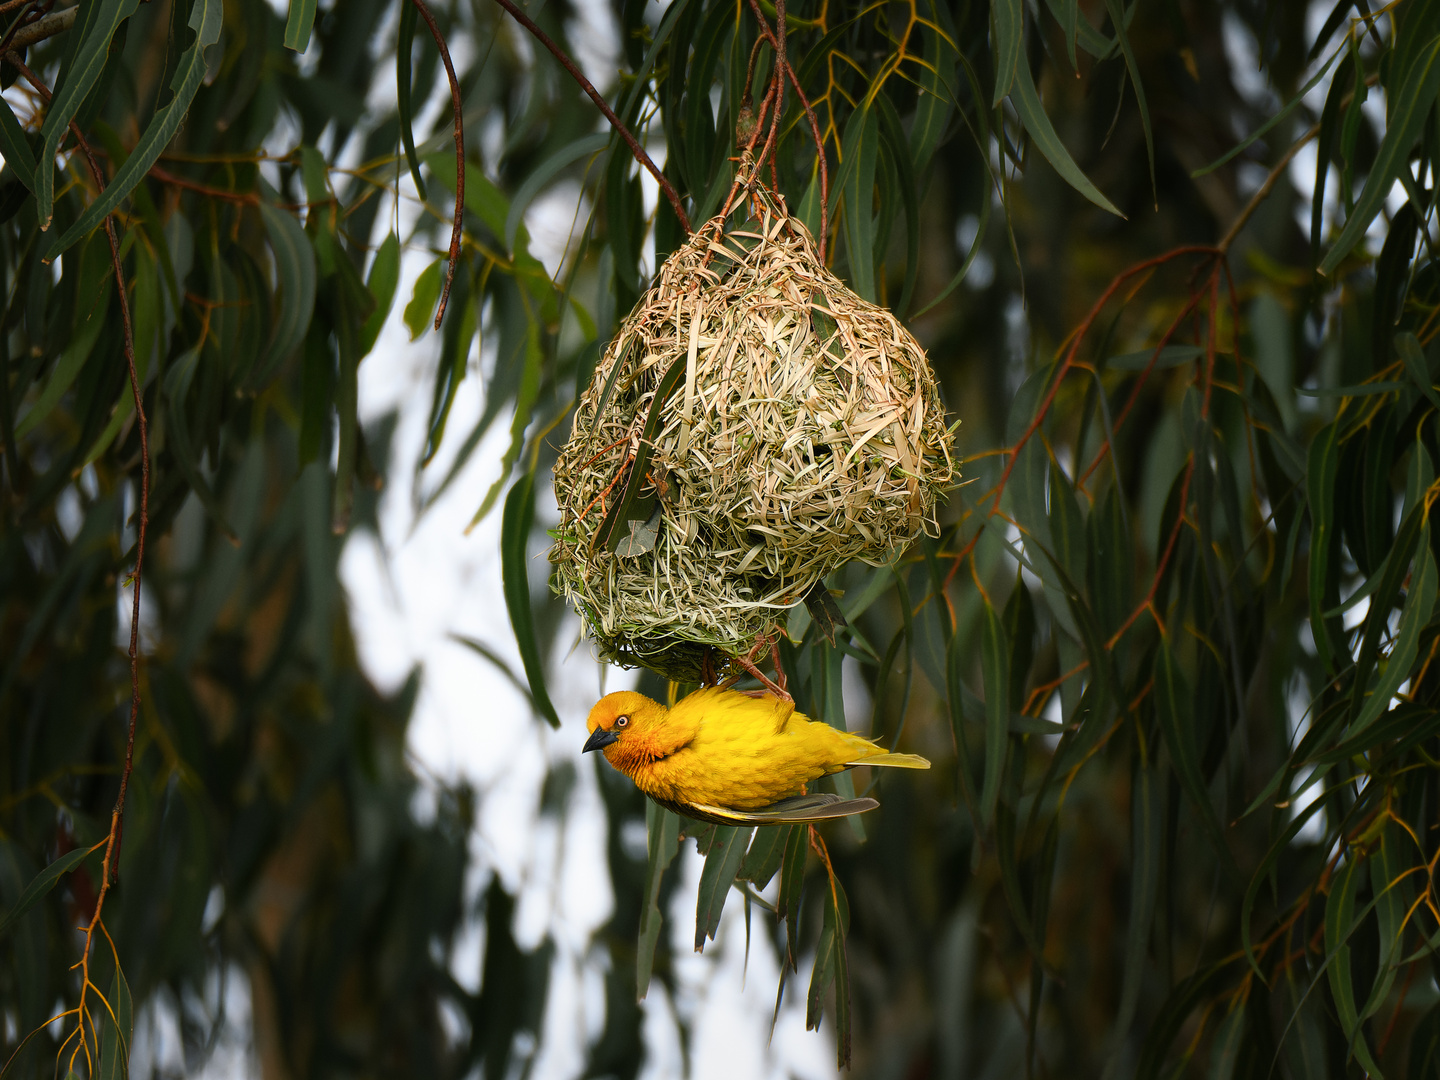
x: 1172, y: 653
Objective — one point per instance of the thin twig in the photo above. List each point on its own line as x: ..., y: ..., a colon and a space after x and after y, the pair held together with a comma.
x: 247, y: 198
x: 1264, y: 190
x: 456, y: 103
x: 635, y: 148
x: 109, y: 867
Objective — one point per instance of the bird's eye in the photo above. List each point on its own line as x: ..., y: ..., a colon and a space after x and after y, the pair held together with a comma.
x: 621, y: 721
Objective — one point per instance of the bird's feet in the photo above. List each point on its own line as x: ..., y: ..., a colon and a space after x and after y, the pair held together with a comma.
x: 776, y: 686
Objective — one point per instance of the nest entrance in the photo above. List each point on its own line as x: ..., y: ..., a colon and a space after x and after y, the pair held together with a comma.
x: 752, y: 425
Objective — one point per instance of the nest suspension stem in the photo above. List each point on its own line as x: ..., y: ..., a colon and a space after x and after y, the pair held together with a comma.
x: 748, y: 130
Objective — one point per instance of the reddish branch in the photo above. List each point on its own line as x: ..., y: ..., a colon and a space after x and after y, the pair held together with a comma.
x: 1148, y: 602
x: 455, y: 104
x: 600, y: 103
x: 165, y: 176
x: 1078, y: 338
x: 109, y: 871
x: 1105, y: 447
x: 783, y: 64
x: 1013, y: 452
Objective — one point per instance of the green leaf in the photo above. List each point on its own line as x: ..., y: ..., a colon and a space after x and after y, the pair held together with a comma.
x: 524, y: 404
x: 404, y: 46
x: 721, y: 863
x: 822, y: 975
x: 1325, y: 141
x: 1387, y: 582
x: 117, y: 1026
x: 146, y: 306
x: 1167, y: 356
x: 792, y: 881
x: 976, y: 246
x: 934, y: 100
x: 995, y: 660
x: 763, y: 858
x: 1122, y: 37
x: 1409, y: 105
x: 296, y: 282
x: 1413, y: 355
x: 92, y: 306
x: 301, y: 20
x: 1009, y: 17
x: 1227, y: 1043
x: 585, y: 146
x: 1340, y: 924
x: 831, y: 967
x: 456, y: 337
x: 1388, y: 886
x: 515, y: 524
x: 857, y: 187
x: 1174, y: 709
x: 99, y: 23
x: 1068, y: 16
x: 1079, y: 31
x: 384, y: 277
x: 1019, y: 623
x: 1320, y: 473
x: 1032, y: 114
x: 1406, y: 725
x: 625, y: 221
x: 352, y: 305
x: 1356, y: 390
x: 662, y: 829
x: 1147, y: 816
x: 699, y: 147
x: 315, y: 173
x: 836, y: 928
x: 898, y: 148
x: 955, y: 692
x: 421, y: 309
x: 42, y: 883
x: 15, y: 148
x: 1177, y: 1007
x: 206, y: 17
x: 1278, y: 118
x: 1413, y: 617
x: 1111, y: 558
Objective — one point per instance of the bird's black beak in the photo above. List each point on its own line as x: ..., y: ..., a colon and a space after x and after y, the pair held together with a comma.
x: 598, y: 738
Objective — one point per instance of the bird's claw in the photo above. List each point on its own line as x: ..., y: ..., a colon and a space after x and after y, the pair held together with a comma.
x: 776, y: 686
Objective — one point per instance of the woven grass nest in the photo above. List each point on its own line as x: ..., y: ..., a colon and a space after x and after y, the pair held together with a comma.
x: 753, y: 425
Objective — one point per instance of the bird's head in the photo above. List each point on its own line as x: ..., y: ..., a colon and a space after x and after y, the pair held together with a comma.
x: 621, y: 717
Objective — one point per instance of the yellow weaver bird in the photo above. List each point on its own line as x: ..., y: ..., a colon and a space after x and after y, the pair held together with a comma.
x: 727, y: 757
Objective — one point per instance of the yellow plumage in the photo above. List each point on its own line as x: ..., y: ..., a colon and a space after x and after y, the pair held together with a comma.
x: 721, y: 755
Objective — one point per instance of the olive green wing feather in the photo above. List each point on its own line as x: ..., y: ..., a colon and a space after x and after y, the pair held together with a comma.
x: 797, y: 809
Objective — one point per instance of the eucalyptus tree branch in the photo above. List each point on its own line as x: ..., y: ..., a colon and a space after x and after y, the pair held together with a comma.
x: 56, y: 22
x: 1263, y: 192
x: 110, y: 866
x: 635, y: 148
x: 456, y: 230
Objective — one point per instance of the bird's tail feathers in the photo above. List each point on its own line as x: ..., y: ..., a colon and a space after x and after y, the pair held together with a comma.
x: 896, y: 761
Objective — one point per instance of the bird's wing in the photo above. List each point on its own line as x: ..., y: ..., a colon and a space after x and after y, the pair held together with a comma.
x: 800, y: 808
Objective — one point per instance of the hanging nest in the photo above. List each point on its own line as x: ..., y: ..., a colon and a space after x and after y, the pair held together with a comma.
x: 753, y: 425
